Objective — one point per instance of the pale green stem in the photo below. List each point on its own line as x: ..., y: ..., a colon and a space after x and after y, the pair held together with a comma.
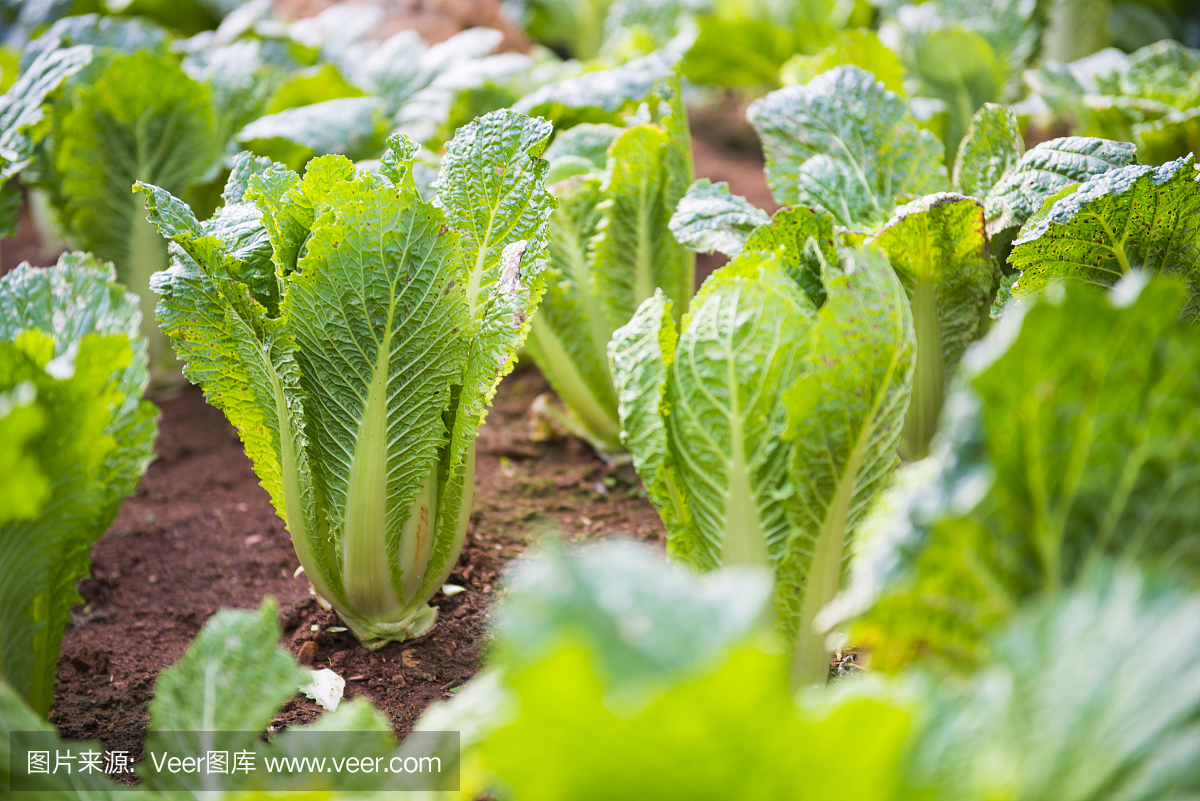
x: 148, y: 255
x: 810, y: 666
x: 599, y: 417
x: 929, y: 379
x: 1075, y: 28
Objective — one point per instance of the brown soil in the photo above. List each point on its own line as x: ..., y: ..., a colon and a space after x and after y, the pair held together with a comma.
x: 436, y: 20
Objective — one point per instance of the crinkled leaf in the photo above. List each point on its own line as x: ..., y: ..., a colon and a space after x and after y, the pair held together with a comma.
x: 1047, y: 169
x: 378, y: 345
x: 809, y: 246
x: 1066, y: 708
x: 360, y: 394
x: 844, y: 416
x: 939, y: 251
x: 711, y: 218
x: 740, y: 346
x: 1057, y: 453
x: 641, y: 352
x: 992, y: 147
x: 845, y: 143
x: 1137, y: 217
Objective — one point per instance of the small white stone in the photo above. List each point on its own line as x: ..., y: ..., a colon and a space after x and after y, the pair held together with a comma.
x: 326, y: 688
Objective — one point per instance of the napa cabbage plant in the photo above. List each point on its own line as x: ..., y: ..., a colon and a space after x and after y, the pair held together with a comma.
x: 75, y: 438
x: 948, y: 247
x: 132, y: 114
x: 354, y: 333
x: 763, y: 427
x: 961, y: 54
x: 679, y: 667
x: 22, y: 110
x: 1056, y: 454
x: 610, y: 249
x: 1150, y: 97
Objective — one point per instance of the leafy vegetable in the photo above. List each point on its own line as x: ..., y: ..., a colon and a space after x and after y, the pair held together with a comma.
x: 964, y: 54
x: 77, y: 439
x: 610, y: 250
x: 144, y: 119
x: 710, y: 218
x: 991, y: 148
x: 576, y: 27
x: 1136, y: 217
x: 1066, y: 708
x: 1055, y: 454
x: 22, y: 110
x: 748, y: 41
x: 858, y: 47
x: 938, y: 248
x: 358, y: 363
x: 1147, y: 97
x: 846, y: 144
x: 763, y: 434
x: 351, y: 126
x: 604, y: 96
x: 611, y: 655
x: 359, y: 90
x: 1047, y: 169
